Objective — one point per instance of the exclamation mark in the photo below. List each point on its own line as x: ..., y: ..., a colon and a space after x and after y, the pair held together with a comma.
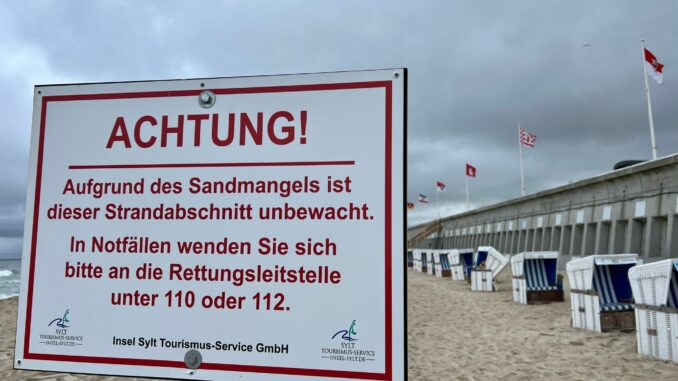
x: 302, y: 139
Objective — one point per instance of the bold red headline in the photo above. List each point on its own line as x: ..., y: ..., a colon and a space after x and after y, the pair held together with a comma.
x: 280, y: 128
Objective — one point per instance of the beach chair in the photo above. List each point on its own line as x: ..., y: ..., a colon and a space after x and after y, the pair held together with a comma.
x: 442, y: 264
x: 410, y: 258
x: 424, y: 263
x: 430, y: 267
x: 461, y: 263
x: 535, y: 277
x: 416, y: 257
x: 488, y: 264
x: 600, y: 292
x: 655, y: 291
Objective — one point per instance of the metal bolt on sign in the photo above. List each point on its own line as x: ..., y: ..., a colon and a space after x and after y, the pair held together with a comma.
x: 206, y: 99
x: 192, y: 359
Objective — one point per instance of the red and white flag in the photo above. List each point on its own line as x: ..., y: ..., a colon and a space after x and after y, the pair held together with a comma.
x: 527, y: 139
x: 470, y: 170
x: 423, y: 199
x: 653, y: 68
x: 440, y: 186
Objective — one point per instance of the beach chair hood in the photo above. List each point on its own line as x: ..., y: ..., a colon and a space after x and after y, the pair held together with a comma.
x: 580, y: 271
x: 655, y: 284
x: 537, y: 267
x: 455, y: 256
x: 655, y: 290
x: 494, y: 260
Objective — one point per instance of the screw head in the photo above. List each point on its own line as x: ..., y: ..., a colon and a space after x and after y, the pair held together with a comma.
x: 206, y: 99
x: 192, y: 359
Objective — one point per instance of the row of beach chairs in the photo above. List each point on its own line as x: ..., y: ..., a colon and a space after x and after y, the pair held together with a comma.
x: 612, y: 291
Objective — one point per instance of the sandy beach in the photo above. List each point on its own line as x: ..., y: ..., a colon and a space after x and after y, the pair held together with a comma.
x: 454, y: 334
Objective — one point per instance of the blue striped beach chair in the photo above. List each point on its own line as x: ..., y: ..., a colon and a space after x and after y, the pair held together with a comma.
x: 441, y: 263
x: 535, y: 277
x: 613, y: 287
x: 600, y: 292
x: 655, y: 290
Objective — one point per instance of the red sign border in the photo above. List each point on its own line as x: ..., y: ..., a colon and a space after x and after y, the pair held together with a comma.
x: 387, y: 375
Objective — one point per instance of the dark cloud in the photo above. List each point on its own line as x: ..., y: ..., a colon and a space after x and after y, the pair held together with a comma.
x: 476, y: 69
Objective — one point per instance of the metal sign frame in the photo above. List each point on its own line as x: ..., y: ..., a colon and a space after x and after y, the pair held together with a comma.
x: 392, y: 83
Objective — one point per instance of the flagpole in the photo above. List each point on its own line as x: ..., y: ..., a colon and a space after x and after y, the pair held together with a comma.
x: 468, y: 203
x: 437, y: 204
x: 649, y: 103
x: 522, y: 171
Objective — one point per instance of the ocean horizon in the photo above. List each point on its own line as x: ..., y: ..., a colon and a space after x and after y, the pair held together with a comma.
x: 10, y: 276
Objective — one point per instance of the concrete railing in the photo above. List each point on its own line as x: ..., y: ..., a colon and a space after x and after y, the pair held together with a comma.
x: 631, y: 210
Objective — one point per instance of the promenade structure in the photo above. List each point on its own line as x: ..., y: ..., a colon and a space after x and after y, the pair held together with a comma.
x: 629, y: 210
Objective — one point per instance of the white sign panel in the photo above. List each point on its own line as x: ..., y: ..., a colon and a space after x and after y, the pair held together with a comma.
x: 237, y: 228
x: 640, y: 209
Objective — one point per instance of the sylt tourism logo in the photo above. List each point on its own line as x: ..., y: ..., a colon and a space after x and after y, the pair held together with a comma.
x: 347, y: 334
x: 62, y: 335
x: 60, y: 322
x: 347, y: 350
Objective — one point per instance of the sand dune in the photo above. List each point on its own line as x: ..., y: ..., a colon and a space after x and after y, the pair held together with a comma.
x: 454, y: 334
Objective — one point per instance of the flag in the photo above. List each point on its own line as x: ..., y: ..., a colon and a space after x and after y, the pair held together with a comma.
x: 423, y: 199
x: 653, y: 68
x: 441, y: 186
x: 470, y: 170
x: 410, y: 205
x: 527, y: 139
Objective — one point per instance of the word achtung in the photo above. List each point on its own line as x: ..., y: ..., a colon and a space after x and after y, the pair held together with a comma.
x: 147, y: 131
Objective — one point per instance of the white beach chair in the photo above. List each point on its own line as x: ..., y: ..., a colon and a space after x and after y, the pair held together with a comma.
x: 655, y: 290
x: 442, y: 263
x: 461, y: 263
x: 600, y: 292
x: 535, y: 277
x: 422, y: 261
x: 489, y: 263
x: 416, y: 259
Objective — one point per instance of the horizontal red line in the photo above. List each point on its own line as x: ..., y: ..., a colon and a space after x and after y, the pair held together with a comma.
x: 213, y: 165
x: 210, y: 366
x: 227, y: 91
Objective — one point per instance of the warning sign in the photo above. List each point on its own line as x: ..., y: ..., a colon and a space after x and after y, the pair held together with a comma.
x: 246, y: 228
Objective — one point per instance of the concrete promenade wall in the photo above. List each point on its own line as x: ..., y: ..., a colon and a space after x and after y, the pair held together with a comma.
x: 631, y: 210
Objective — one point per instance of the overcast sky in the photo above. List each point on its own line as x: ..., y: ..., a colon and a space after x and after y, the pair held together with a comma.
x: 569, y: 71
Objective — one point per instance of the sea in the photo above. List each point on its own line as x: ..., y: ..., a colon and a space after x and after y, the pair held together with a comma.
x: 10, y: 273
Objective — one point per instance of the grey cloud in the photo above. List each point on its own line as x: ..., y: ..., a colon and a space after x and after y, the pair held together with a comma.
x: 476, y: 69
